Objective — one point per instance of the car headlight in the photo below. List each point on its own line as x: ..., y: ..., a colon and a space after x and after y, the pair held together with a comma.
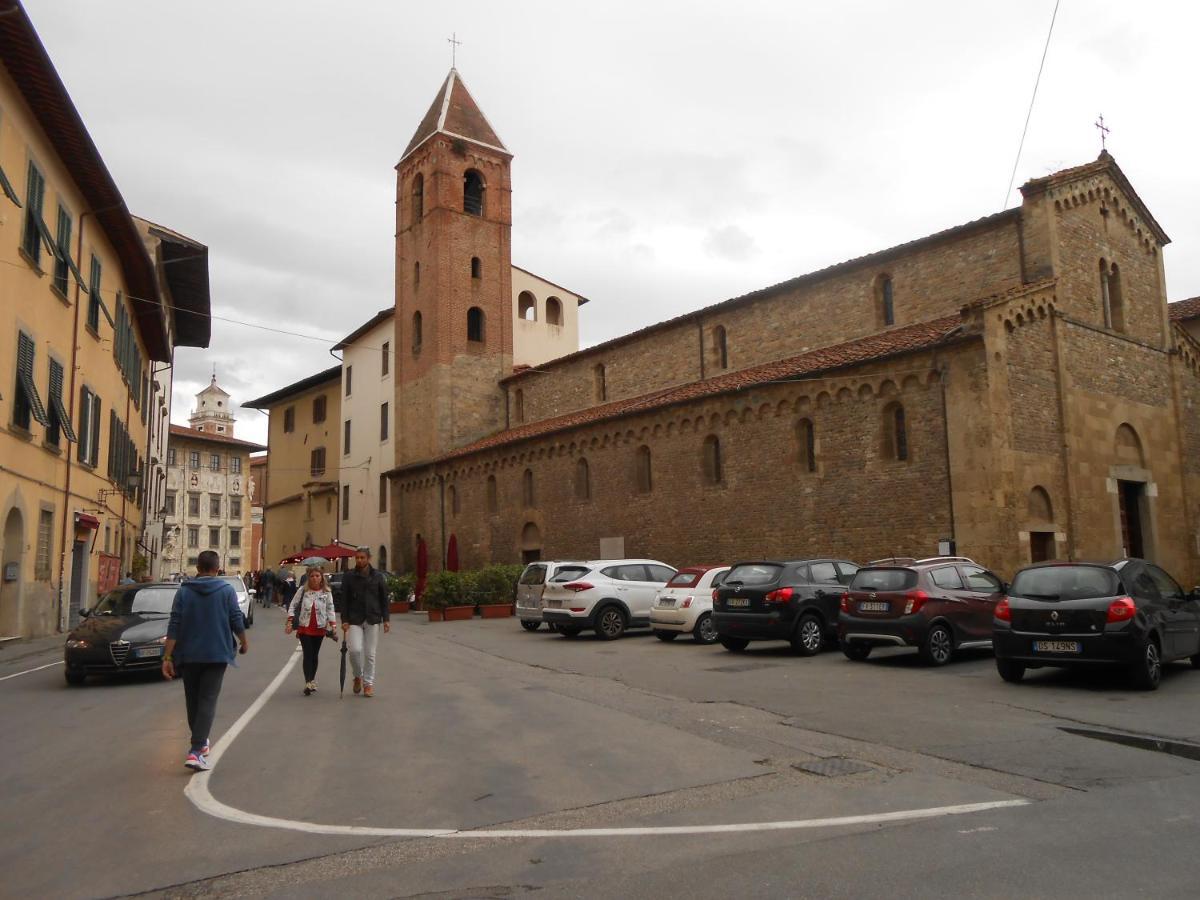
x: 78, y: 645
x: 161, y: 640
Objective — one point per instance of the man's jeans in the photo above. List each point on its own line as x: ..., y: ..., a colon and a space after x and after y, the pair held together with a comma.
x: 201, y: 688
x: 361, y: 641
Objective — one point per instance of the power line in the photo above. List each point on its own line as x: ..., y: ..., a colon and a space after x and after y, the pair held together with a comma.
x: 1037, y: 81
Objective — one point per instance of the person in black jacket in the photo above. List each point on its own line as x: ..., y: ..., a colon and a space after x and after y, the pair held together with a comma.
x: 364, y: 610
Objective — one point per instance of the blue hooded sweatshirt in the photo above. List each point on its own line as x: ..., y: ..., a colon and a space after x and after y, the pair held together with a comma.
x: 204, y: 618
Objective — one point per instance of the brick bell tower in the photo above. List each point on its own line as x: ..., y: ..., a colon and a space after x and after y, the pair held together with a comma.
x: 453, y: 278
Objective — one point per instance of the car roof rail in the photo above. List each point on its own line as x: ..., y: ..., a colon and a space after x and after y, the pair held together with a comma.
x: 932, y: 559
x: 893, y: 561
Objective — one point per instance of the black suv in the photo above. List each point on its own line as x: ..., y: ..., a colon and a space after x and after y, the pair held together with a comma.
x: 1129, y: 612
x: 938, y: 605
x: 773, y: 600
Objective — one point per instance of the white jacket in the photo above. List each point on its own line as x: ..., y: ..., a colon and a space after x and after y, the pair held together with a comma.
x: 305, y: 600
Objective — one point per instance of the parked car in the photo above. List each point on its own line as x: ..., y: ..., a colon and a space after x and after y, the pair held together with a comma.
x: 532, y: 584
x: 1127, y: 613
x: 684, y: 605
x: 938, y: 605
x: 335, y: 587
x: 610, y: 597
x: 781, y: 600
x: 243, y: 597
x: 126, y: 631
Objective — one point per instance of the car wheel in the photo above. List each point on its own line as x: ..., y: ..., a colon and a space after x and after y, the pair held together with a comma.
x: 938, y: 647
x: 808, y: 636
x: 610, y: 624
x: 1147, y: 669
x: 569, y: 631
x: 705, y: 631
x: 856, y: 650
x: 666, y: 635
x: 530, y: 626
x: 734, y: 645
x: 74, y: 678
x: 1010, y: 671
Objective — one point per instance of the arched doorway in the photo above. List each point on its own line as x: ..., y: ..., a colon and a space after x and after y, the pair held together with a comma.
x: 382, y: 562
x: 10, y: 590
x: 531, y: 543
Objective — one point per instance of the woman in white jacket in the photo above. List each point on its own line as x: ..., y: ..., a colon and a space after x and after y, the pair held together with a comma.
x: 312, y: 616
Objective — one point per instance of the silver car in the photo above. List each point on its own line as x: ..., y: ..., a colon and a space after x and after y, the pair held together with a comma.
x: 532, y: 584
x: 243, y: 597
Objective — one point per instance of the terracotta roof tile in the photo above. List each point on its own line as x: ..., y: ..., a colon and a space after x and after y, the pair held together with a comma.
x: 454, y: 112
x: 185, y: 432
x: 1185, y: 310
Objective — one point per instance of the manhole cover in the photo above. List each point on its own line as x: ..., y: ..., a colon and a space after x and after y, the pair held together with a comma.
x: 834, y: 768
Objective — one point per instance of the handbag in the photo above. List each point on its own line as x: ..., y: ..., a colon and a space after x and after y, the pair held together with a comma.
x: 296, y: 614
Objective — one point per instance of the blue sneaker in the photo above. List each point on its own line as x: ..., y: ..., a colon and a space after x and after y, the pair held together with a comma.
x: 197, y: 762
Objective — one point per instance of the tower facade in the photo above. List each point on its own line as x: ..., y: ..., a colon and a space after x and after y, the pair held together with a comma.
x: 212, y: 413
x: 454, y: 330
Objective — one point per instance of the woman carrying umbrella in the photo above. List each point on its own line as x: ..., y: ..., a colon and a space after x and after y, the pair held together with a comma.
x: 312, y: 616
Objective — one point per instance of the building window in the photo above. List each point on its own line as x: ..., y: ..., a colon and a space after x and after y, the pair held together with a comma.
x: 383, y: 422
x: 527, y: 497
x: 316, y: 462
x: 452, y: 499
x: 60, y: 421
x: 895, y: 428
x: 383, y: 494
x: 416, y: 333
x: 599, y: 383
x: 345, y: 502
x: 170, y: 453
x: 214, y: 537
x: 473, y: 193
x: 349, y: 380
x: 1111, y: 296
x: 583, y: 480
x: 713, y: 471
x: 416, y: 275
x: 89, y: 429
x: 527, y: 306
x: 519, y: 406
x: 554, y: 311
x: 45, y: 532
x: 643, y: 476
x: 62, y: 252
x: 235, y: 537
x: 235, y: 465
x: 214, y: 506
x: 806, y: 439
x: 346, y: 438
x: 235, y: 507
x: 382, y: 560
x: 476, y: 267
x: 493, y: 498
x: 475, y: 324
x: 289, y: 420
x: 319, y: 403
x: 35, y: 192
x: 193, y: 536
x: 418, y: 198
x: 385, y: 357
x: 27, y: 404
x: 193, y: 459
x: 884, y: 301
x: 94, y: 301
x: 214, y: 462
x: 720, y: 347
x: 193, y: 504
x: 169, y: 504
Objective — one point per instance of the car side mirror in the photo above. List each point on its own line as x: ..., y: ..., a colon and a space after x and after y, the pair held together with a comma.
x: 84, y: 613
x: 1004, y: 586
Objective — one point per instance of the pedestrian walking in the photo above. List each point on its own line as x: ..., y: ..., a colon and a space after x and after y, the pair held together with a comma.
x: 200, y: 644
x: 364, y: 612
x: 266, y: 587
x: 312, y: 617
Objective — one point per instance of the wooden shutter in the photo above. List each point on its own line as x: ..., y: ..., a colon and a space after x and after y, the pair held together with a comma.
x: 56, y: 402
x: 25, y: 354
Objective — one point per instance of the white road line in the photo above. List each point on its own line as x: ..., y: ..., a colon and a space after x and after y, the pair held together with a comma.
x: 198, y: 793
x: 28, y: 671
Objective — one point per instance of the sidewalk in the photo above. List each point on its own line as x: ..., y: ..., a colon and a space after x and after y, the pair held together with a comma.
x: 11, y: 651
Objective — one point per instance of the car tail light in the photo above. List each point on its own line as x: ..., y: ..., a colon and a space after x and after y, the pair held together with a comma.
x: 715, y: 592
x: 916, y: 599
x: 1003, y: 610
x: 846, y: 602
x: 1121, y: 610
x: 687, y: 601
x: 780, y: 595
x: 577, y: 586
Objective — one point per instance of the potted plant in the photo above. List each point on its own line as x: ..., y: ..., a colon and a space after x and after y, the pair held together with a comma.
x: 496, y: 586
x: 438, y: 592
x: 400, y: 591
x: 446, y: 593
x: 462, y: 596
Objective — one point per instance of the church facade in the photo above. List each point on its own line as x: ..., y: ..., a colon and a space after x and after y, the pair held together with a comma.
x: 1016, y: 385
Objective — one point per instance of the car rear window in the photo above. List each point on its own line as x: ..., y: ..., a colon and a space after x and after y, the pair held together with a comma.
x: 534, y: 575
x: 1065, y: 583
x: 568, y: 573
x: 684, y: 580
x: 753, y: 573
x: 883, y: 580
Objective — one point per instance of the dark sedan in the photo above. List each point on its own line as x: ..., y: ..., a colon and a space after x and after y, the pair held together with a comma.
x: 125, y: 632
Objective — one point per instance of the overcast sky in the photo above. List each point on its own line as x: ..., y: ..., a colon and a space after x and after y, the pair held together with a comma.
x: 667, y: 155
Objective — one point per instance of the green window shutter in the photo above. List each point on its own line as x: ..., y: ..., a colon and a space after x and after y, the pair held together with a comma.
x: 56, y: 402
x: 25, y: 355
x: 6, y: 186
x: 94, y: 457
x: 85, y: 424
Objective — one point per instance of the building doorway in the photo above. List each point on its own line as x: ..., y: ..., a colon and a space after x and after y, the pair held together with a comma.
x: 79, y: 582
x: 1041, y: 546
x: 11, y: 575
x: 1131, y: 496
x: 531, y: 543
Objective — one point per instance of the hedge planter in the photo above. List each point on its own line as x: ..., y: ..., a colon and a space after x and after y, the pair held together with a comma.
x: 459, y: 613
x: 399, y: 606
x: 436, y: 615
x: 496, y: 611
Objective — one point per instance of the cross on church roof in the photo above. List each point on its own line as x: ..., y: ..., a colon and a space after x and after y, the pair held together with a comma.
x: 454, y: 43
x: 1103, y: 129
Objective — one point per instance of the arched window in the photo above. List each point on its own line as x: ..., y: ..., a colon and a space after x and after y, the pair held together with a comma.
x: 418, y: 198
x: 720, y: 347
x: 519, y: 406
x: 600, y: 383
x: 713, y: 471
x: 583, y: 480
x: 1128, y: 447
x: 895, y: 432
x: 527, y: 497
x: 806, y: 439
x: 473, y: 192
x: 885, y: 303
x: 527, y: 306
x: 476, y: 267
x: 643, y: 476
x: 554, y: 312
x: 452, y: 497
x: 1040, y: 508
x: 382, y: 560
x: 416, y: 332
x: 493, y: 498
x: 475, y: 324
x: 1116, y: 299
x: 416, y: 274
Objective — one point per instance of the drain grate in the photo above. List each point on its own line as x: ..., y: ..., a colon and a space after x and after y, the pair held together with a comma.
x: 834, y: 768
x: 1157, y: 745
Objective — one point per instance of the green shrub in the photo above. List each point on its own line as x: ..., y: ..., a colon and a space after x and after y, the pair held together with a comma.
x: 449, y: 589
x: 400, y: 587
x: 495, y: 585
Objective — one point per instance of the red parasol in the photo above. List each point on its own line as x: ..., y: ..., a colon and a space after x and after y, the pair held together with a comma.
x: 452, y: 554
x: 422, y: 567
x: 333, y: 551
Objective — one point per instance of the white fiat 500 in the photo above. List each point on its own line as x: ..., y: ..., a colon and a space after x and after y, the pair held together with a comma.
x: 684, y: 606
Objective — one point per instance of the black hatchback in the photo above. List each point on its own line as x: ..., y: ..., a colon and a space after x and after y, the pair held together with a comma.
x: 1127, y: 613
x: 774, y: 600
x: 125, y: 631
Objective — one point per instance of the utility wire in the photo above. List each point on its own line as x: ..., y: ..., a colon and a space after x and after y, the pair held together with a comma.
x: 1037, y: 81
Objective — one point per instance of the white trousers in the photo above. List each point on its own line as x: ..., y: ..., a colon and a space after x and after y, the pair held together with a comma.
x: 361, y: 641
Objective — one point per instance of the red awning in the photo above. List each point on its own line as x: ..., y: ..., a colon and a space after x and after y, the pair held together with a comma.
x: 333, y: 551
x: 83, y: 520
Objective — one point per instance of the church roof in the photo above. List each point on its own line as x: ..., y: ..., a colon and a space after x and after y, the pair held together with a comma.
x: 1185, y: 310
x: 214, y: 437
x: 455, y: 113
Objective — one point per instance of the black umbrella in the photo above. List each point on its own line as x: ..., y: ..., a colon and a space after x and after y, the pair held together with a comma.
x: 342, y: 670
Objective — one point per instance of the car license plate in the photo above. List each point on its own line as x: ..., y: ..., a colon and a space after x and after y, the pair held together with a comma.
x: 148, y: 651
x: 665, y: 603
x: 1057, y: 647
x: 554, y: 604
x: 738, y: 601
x: 873, y: 606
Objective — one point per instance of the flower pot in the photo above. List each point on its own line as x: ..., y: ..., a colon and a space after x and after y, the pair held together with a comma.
x: 399, y: 606
x: 459, y: 613
x: 497, y: 611
x: 436, y: 615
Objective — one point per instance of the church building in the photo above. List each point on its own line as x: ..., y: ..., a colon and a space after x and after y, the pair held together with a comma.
x: 1016, y: 385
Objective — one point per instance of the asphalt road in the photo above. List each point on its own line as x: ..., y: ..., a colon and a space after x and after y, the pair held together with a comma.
x: 482, y: 726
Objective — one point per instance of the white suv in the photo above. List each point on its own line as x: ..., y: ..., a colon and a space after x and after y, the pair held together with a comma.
x: 611, y: 596
x: 533, y: 582
x: 685, y: 605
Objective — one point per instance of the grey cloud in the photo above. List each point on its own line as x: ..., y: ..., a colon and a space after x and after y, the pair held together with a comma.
x: 730, y: 242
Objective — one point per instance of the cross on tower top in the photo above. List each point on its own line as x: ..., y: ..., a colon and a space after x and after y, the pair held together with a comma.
x: 1104, y: 130
x: 454, y: 43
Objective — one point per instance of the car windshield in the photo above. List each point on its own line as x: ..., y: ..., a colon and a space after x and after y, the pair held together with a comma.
x: 236, y: 583
x: 753, y: 573
x: 883, y: 580
x: 147, y: 601
x: 568, y: 573
x: 1065, y: 583
x: 684, y: 580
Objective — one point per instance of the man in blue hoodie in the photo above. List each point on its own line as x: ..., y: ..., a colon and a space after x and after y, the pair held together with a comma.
x: 200, y: 643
